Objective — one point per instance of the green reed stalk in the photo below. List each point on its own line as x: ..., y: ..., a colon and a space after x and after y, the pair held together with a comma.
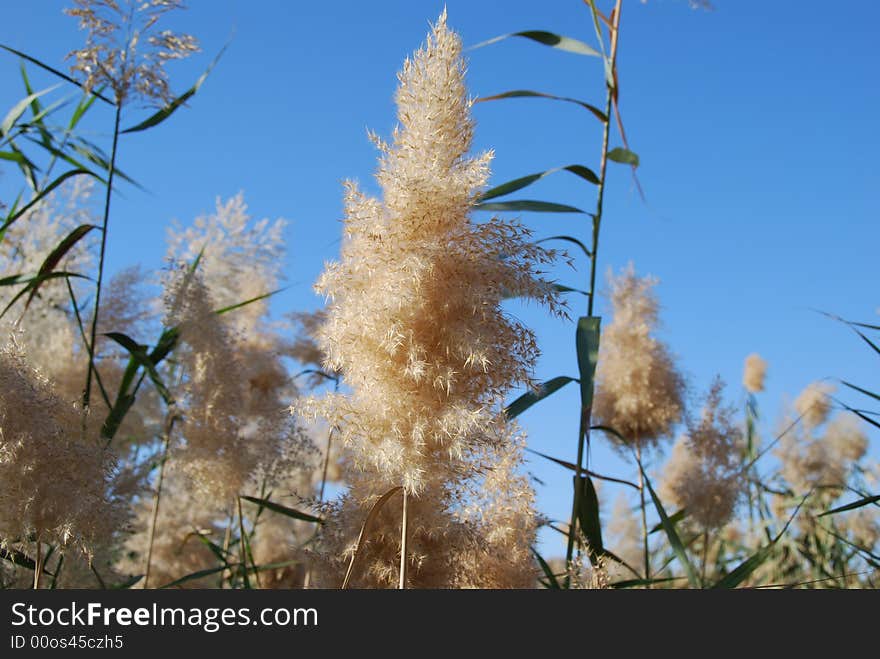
x: 584, y: 429
x: 106, y: 220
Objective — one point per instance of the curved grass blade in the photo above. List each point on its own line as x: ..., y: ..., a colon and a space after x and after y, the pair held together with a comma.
x: 592, y: 474
x: 374, y: 510
x: 283, y: 510
x: 860, y: 390
x: 527, y: 93
x: 562, y: 288
x: 195, y: 575
x: 552, y: 582
x: 675, y: 518
x: 671, y: 534
x: 635, y: 583
x: 238, y: 305
x: 37, y: 281
x: 588, y: 517
x: 56, y: 72
x: 867, y: 501
x: 139, y: 353
x: 171, y: 108
x: 19, y: 108
x: 570, y: 239
x: 56, y: 255
x: 128, y: 583
x: 548, y: 39
x: 529, y: 398
x: 524, y: 181
x: 744, y: 569
x: 528, y: 205
x: 45, y: 191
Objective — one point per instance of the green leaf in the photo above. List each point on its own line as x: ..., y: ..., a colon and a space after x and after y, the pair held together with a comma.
x: 674, y: 518
x: 56, y: 255
x: 635, y: 583
x: 53, y: 71
x: 867, y: 501
x: 19, y: 108
x: 194, y: 575
x: 527, y: 93
x: 744, y: 569
x: 45, y: 191
x: 139, y: 353
x: 171, y: 108
x: 518, y: 184
x: 568, y: 239
x: 587, y: 342
x: 860, y: 390
x: 552, y: 582
x: 14, y: 156
x: 624, y: 156
x: 238, y: 305
x: 548, y: 39
x: 562, y: 288
x: 128, y: 583
x: 528, y: 205
x: 672, y: 534
x: 529, y: 398
x: 37, y: 281
x: 283, y: 510
x: 588, y: 517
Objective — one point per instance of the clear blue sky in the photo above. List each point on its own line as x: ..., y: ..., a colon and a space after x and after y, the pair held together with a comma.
x: 755, y: 123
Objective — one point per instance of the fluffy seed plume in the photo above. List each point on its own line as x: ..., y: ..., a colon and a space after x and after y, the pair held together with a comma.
x: 124, y: 50
x: 415, y: 326
x: 54, y: 482
x: 639, y: 390
x: 754, y: 373
x: 814, y: 403
x: 703, y: 475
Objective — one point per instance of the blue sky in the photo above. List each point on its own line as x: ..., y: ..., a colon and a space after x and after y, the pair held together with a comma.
x: 755, y: 124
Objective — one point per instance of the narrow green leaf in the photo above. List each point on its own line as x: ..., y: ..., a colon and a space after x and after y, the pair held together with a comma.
x: 635, y: 583
x: 528, y: 205
x: 529, y: 398
x: 518, y: 184
x: 674, y: 518
x: 526, y: 93
x: 552, y: 582
x: 591, y: 474
x: 867, y: 501
x: 283, y: 510
x: 859, y: 389
x: 171, y: 108
x: 744, y: 569
x: 14, y: 156
x: 56, y: 72
x: 624, y: 156
x: 194, y: 575
x: 45, y: 191
x: 548, y: 39
x: 239, y: 305
x: 562, y: 288
x: 19, y: 108
x: 587, y: 342
x: 568, y: 239
x: 588, y: 517
x: 37, y: 281
x: 139, y: 353
x: 672, y: 534
x: 128, y: 583
x: 55, y: 256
